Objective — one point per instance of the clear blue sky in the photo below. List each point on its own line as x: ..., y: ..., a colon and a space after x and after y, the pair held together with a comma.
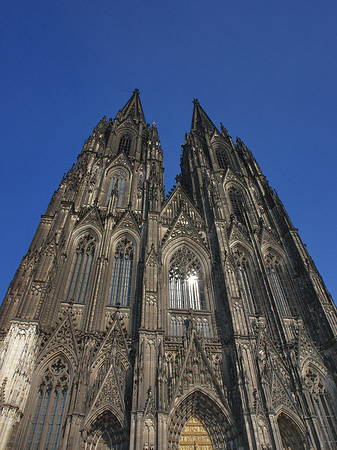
x: 266, y: 69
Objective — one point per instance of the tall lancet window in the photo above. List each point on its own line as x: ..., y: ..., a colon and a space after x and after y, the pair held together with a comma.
x: 237, y: 201
x: 120, y: 290
x: 48, y: 417
x: 245, y: 278
x: 222, y: 157
x: 81, y: 269
x: 277, y: 279
x: 186, y: 281
x: 124, y: 144
x: 117, y: 187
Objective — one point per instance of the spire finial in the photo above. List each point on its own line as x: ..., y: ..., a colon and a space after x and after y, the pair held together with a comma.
x: 136, y: 91
x: 195, y: 101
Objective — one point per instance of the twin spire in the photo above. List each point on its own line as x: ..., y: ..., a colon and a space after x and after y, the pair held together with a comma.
x: 134, y: 110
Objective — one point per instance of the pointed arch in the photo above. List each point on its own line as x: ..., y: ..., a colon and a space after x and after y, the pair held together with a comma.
x: 320, y: 401
x: 121, y: 276
x: 237, y: 200
x: 210, y: 413
x: 121, y: 280
x: 124, y: 144
x: 246, y: 277
x: 48, y: 404
x: 105, y: 430
x: 81, y: 267
x: 292, y: 435
x: 186, y: 280
x: 221, y: 155
x: 118, y: 185
x: 279, y: 281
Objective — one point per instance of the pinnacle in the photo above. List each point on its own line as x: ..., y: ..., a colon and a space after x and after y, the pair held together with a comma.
x: 200, y: 120
x: 133, y: 108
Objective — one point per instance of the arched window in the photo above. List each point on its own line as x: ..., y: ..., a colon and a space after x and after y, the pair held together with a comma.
x: 178, y: 325
x: 277, y: 281
x: 202, y: 326
x: 120, y: 289
x: 237, y: 201
x: 81, y: 269
x: 321, y: 406
x: 222, y: 157
x: 117, y: 187
x: 291, y: 436
x: 245, y: 277
x: 124, y: 144
x: 50, y: 409
x: 186, y: 281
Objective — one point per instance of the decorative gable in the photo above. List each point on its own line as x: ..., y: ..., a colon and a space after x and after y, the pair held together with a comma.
x: 128, y: 221
x: 183, y: 226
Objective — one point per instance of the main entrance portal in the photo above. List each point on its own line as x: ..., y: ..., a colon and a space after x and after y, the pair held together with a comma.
x: 195, y: 436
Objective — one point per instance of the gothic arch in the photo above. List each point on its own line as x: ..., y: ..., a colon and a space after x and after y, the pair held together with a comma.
x: 107, y: 427
x: 117, y: 178
x: 279, y: 279
x: 48, y: 402
x: 170, y: 248
x: 320, y: 401
x: 245, y: 270
x: 291, y: 430
x: 79, y: 267
x: 222, y: 153
x: 247, y: 200
x: 201, y: 255
x: 213, y: 416
x: 130, y: 243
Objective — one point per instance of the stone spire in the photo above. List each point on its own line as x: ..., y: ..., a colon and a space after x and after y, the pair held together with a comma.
x: 133, y: 109
x: 201, y: 123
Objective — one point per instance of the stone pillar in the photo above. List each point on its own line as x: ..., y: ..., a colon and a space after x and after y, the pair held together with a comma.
x: 17, y: 362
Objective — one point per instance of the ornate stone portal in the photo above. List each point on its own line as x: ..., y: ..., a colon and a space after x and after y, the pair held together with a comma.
x: 195, y: 436
x: 139, y: 321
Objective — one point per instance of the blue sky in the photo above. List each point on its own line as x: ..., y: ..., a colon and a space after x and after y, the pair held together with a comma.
x: 266, y: 69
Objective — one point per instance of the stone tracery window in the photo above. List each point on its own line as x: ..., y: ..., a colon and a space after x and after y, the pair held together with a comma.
x: 222, y: 157
x: 277, y: 279
x: 51, y: 405
x: 117, y: 187
x: 186, y: 281
x: 245, y: 277
x: 120, y: 290
x: 124, y: 144
x: 81, y: 269
x: 319, y: 399
x: 237, y: 201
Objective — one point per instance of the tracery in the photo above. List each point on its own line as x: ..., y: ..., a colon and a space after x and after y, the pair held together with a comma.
x: 186, y: 281
x: 81, y: 269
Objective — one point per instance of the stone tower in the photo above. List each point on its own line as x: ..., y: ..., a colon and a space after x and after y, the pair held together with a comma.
x: 196, y: 321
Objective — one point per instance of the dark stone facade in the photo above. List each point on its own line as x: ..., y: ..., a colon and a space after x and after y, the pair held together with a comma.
x: 133, y: 314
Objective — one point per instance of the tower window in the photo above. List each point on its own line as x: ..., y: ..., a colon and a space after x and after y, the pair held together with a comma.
x: 120, y: 289
x: 124, y: 144
x: 236, y: 198
x: 278, y: 283
x: 222, y: 157
x: 117, y: 187
x: 50, y: 408
x: 245, y: 277
x: 185, y: 281
x: 81, y: 269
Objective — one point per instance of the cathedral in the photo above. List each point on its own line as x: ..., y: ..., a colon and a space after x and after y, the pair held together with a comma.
x: 144, y: 321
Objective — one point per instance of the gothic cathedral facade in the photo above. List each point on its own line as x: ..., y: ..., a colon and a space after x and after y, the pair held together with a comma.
x: 143, y: 322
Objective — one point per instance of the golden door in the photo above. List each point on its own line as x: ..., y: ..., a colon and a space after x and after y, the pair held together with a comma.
x: 195, y: 436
